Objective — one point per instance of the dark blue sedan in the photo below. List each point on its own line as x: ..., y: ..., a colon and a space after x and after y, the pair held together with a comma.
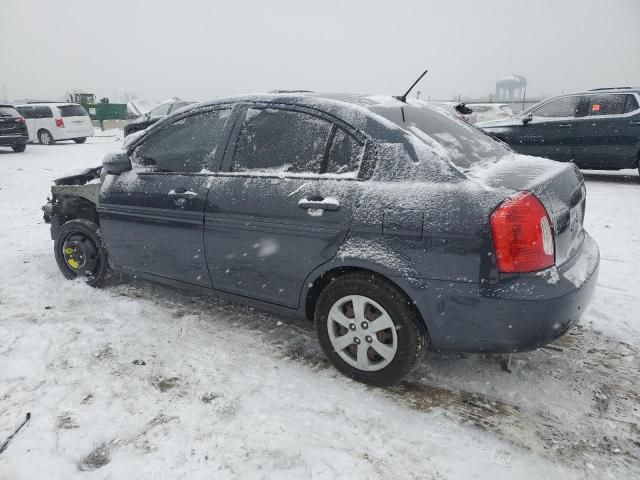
x: 392, y: 226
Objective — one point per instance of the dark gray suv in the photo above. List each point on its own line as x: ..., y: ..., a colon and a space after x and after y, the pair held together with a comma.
x: 394, y: 227
x: 598, y: 129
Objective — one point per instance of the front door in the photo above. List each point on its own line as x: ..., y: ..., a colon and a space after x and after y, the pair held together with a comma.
x: 282, y: 205
x: 152, y: 217
x: 550, y: 133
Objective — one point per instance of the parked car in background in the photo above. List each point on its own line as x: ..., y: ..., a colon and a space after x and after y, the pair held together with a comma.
x: 158, y: 113
x: 391, y: 225
x: 457, y: 109
x: 490, y: 111
x: 598, y: 129
x: 51, y: 122
x: 13, y: 129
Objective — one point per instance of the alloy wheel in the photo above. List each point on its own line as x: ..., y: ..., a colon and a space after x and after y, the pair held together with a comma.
x: 362, y: 333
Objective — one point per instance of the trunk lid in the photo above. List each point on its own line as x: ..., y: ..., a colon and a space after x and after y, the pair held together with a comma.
x: 559, y: 186
x: 76, y: 118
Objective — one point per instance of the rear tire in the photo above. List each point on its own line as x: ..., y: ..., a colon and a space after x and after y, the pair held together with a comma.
x: 45, y: 137
x: 19, y: 148
x: 80, y: 140
x: 375, y: 354
x: 80, y: 252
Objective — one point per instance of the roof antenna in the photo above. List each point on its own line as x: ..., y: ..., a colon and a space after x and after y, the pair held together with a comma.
x: 403, y: 98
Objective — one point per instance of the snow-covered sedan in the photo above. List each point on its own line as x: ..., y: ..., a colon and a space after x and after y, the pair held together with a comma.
x: 393, y: 226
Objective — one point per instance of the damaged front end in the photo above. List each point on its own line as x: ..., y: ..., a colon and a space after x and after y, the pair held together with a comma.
x: 73, y: 196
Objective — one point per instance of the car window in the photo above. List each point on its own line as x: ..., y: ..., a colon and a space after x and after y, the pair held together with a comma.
x: 178, y: 105
x: 160, y: 110
x: 26, y: 112
x: 42, y: 112
x: 560, y: 107
x: 603, y: 104
x: 466, y: 144
x: 187, y: 145
x: 8, y: 112
x: 345, y: 155
x: 35, y: 112
x: 280, y: 141
x: 72, y: 111
x: 631, y: 103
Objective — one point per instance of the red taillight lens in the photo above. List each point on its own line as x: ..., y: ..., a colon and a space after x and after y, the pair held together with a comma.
x: 20, y: 120
x: 59, y: 122
x: 522, y: 235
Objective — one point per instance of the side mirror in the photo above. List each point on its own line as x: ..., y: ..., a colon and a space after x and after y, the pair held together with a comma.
x: 527, y: 118
x: 116, y: 163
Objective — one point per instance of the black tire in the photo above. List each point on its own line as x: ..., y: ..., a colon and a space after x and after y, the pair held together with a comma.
x: 412, y: 337
x: 45, y: 137
x: 86, y: 235
x: 19, y: 148
x: 80, y: 140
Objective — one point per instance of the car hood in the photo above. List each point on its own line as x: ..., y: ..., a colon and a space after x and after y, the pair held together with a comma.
x: 502, y: 122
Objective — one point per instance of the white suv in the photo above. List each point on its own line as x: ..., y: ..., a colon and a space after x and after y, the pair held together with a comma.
x: 50, y: 122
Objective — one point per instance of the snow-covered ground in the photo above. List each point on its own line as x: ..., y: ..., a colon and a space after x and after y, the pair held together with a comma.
x: 142, y: 381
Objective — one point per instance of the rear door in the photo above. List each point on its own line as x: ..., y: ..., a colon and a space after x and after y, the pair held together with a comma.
x: 152, y: 218
x: 608, y: 131
x: 551, y: 132
x: 282, y: 204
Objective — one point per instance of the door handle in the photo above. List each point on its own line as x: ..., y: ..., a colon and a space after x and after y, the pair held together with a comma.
x: 319, y: 203
x: 634, y: 122
x: 185, y: 194
x: 564, y: 125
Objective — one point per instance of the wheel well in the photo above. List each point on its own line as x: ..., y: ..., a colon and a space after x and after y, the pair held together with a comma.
x: 327, y: 277
x: 69, y: 207
x: 43, y: 130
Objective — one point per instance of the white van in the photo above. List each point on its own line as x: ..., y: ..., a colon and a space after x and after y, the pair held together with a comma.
x: 50, y: 122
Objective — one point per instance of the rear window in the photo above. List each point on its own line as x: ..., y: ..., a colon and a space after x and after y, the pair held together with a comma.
x: 466, y: 144
x: 72, y: 111
x: 8, y: 112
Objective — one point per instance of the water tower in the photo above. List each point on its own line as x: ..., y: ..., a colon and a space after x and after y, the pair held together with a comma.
x: 507, y: 86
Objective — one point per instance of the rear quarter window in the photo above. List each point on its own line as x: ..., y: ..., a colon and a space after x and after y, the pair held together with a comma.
x: 72, y: 111
x: 631, y: 104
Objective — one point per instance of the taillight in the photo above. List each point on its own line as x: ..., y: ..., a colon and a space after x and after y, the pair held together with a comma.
x: 20, y: 120
x: 522, y: 235
x: 59, y: 122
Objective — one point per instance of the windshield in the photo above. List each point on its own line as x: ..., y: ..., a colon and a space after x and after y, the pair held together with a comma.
x: 466, y: 144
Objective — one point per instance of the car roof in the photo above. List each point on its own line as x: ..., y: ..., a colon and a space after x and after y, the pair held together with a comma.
x: 605, y: 90
x: 47, y: 104
x: 7, y: 105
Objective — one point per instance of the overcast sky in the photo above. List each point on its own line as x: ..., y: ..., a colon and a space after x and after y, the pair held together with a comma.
x: 201, y: 49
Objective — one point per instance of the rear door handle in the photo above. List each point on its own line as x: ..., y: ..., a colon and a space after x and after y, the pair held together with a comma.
x: 634, y: 122
x: 564, y: 125
x: 188, y: 195
x: 319, y: 203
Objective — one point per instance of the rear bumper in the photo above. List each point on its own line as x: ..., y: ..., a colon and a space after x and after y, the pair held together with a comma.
x: 517, y: 314
x: 10, y: 140
x: 69, y: 133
